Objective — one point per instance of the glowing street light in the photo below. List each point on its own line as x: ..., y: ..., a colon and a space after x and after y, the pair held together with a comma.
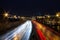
x: 6, y: 14
x: 58, y: 14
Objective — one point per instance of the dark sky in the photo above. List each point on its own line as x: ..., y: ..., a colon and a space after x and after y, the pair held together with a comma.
x: 30, y: 7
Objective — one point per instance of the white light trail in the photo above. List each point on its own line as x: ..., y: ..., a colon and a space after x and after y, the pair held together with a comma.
x: 28, y: 31
x: 22, y: 32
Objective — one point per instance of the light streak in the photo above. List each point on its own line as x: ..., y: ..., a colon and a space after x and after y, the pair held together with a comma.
x: 22, y: 32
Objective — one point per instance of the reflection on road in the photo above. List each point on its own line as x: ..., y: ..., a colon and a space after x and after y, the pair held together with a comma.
x: 45, y: 33
x: 22, y: 32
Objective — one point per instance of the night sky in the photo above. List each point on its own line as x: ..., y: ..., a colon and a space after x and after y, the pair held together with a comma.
x: 30, y: 7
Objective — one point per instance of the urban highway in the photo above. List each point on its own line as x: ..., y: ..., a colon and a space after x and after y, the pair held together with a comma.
x: 30, y: 30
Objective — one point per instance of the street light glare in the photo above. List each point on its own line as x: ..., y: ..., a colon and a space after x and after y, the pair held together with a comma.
x: 57, y: 15
x: 6, y: 14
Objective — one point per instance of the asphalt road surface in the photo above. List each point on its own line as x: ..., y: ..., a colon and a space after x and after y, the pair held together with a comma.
x: 30, y: 30
x: 45, y: 33
x: 22, y: 32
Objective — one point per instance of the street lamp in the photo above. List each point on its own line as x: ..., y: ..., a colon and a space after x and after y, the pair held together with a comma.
x: 6, y: 14
x: 58, y: 14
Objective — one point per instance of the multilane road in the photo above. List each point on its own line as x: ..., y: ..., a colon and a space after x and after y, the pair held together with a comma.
x: 30, y: 30
x: 22, y: 32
